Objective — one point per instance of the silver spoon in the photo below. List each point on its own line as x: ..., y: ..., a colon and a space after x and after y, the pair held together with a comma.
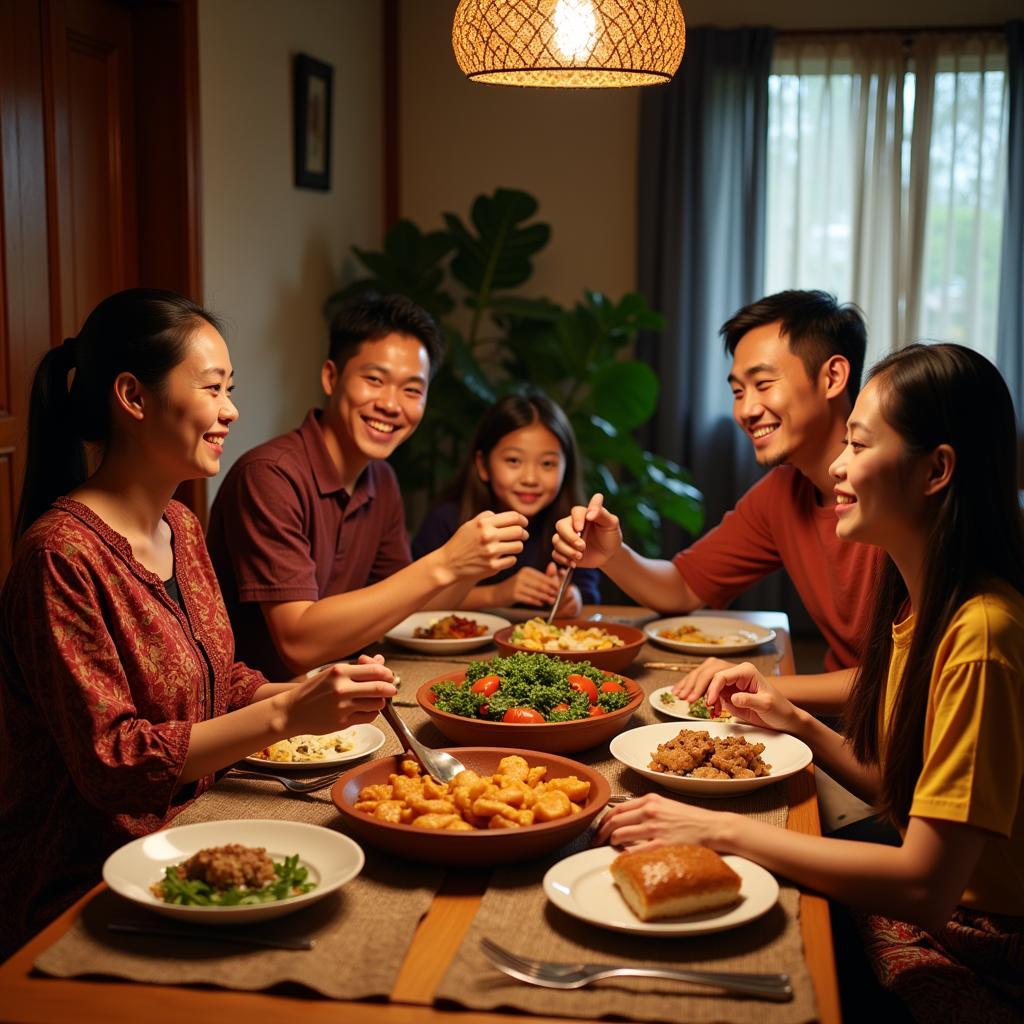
x: 436, y: 763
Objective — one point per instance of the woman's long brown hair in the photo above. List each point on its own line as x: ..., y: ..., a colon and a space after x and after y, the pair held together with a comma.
x: 932, y: 395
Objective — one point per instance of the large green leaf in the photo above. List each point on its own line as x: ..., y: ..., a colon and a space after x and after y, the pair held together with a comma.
x: 625, y: 393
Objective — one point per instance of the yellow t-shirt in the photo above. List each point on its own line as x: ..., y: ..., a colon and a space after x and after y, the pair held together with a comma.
x: 973, y: 766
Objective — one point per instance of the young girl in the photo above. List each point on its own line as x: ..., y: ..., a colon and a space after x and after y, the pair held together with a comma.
x: 935, y: 724
x: 119, y: 692
x: 524, y: 458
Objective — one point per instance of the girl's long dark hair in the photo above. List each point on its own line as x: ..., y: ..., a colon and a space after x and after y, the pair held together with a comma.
x: 932, y: 395
x: 141, y: 331
x: 513, y: 412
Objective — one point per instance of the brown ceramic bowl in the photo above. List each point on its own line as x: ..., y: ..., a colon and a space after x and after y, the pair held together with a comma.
x: 552, y: 737
x: 468, y: 849
x: 615, y: 659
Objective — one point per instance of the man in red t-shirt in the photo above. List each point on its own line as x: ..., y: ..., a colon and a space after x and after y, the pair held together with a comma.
x: 307, y: 533
x: 797, y: 362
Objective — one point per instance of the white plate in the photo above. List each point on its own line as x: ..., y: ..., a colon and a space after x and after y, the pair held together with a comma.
x: 332, y: 859
x: 786, y: 754
x: 402, y: 634
x: 676, y: 708
x: 740, y: 635
x: 582, y: 885
x: 368, y: 739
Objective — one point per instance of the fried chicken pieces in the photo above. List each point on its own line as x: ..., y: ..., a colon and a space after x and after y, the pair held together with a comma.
x: 694, y: 754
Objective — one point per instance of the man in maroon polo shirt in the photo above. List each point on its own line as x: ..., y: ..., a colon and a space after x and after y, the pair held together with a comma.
x: 307, y: 532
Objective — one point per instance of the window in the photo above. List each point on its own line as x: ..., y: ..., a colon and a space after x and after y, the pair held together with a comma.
x: 886, y: 180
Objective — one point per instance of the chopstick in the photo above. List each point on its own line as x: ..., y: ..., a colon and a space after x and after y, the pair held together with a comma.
x: 213, y: 934
x: 672, y: 666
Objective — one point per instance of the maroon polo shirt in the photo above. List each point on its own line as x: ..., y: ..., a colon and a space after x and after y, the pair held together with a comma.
x: 282, y: 528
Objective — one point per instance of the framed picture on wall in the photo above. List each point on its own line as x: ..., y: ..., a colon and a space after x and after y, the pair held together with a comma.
x: 312, y: 86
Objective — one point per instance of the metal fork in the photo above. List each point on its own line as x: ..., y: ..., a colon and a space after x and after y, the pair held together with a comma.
x: 292, y: 785
x: 559, y: 975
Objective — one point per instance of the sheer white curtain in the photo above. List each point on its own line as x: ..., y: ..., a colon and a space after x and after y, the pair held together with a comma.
x: 885, y: 181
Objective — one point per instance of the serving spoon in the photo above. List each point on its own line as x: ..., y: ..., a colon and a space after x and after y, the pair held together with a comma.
x: 436, y: 763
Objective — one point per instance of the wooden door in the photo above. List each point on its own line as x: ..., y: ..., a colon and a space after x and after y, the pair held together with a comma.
x: 99, y: 179
x: 90, y: 116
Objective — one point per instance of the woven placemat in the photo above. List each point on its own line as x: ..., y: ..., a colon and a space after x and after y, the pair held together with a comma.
x: 361, y: 932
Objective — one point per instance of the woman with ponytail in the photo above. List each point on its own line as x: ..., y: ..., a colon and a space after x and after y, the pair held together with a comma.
x: 934, y: 731
x: 120, y: 696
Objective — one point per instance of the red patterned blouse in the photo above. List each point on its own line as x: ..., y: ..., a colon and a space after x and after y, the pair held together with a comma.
x: 101, y: 676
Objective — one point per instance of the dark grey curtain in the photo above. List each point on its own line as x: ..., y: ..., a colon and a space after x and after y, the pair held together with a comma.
x: 1010, y: 336
x: 702, y: 184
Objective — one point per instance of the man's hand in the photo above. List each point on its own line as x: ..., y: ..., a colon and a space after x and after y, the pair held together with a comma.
x: 604, y: 536
x: 488, y: 543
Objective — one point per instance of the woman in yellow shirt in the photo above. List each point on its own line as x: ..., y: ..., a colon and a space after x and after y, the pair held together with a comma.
x: 934, y: 729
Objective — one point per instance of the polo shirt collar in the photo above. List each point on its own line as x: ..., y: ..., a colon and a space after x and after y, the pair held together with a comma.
x: 325, y: 473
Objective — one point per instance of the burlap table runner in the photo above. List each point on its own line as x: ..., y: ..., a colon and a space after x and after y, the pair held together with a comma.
x: 361, y: 933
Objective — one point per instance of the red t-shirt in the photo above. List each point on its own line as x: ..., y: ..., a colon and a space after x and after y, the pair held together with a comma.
x: 777, y: 524
x: 282, y: 528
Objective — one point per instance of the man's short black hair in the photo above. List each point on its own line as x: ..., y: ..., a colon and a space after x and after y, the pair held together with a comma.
x: 371, y: 317
x: 815, y: 326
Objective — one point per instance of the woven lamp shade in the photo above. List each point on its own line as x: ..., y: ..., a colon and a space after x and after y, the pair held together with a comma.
x: 581, y: 44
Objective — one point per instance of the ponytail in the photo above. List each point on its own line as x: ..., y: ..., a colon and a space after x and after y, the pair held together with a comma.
x: 55, y: 461
x: 141, y: 331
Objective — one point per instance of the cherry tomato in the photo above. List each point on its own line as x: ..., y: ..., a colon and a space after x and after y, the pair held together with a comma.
x: 596, y: 711
x: 610, y: 686
x: 486, y: 686
x: 561, y: 707
x: 522, y: 715
x: 484, y: 710
x: 585, y: 686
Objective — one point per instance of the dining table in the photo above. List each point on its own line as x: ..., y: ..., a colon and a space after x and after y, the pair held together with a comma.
x: 68, y: 973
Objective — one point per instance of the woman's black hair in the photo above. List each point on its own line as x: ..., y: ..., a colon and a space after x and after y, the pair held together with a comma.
x: 933, y: 395
x: 520, y: 409
x: 141, y: 331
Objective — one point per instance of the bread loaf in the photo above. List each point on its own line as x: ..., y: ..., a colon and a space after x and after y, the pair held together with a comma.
x: 672, y: 881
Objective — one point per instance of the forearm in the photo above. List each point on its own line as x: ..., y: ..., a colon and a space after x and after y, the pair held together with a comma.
x: 834, y: 755
x: 340, y: 625
x: 869, y: 876
x: 825, y: 693
x: 653, y: 582
x: 228, y: 738
x: 458, y: 595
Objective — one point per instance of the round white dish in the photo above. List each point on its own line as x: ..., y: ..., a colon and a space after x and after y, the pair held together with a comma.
x: 676, y: 707
x: 582, y: 885
x: 739, y: 635
x: 786, y: 754
x: 368, y: 739
x: 332, y: 859
x: 402, y: 634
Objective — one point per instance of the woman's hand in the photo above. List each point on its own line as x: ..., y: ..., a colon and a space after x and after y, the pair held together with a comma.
x: 696, y: 682
x: 750, y: 697
x: 654, y: 820
x: 337, y: 697
x: 604, y: 536
x: 528, y: 586
x: 486, y: 544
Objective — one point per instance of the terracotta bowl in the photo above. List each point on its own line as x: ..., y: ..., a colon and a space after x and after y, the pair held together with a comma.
x: 468, y: 849
x: 552, y: 737
x: 616, y: 659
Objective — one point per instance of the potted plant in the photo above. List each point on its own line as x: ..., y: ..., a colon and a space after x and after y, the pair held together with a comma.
x: 466, y: 276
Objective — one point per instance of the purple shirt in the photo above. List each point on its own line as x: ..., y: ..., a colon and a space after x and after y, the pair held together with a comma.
x: 283, y: 528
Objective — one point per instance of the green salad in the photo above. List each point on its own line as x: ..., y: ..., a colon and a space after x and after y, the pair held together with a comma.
x: 527, y: 688
x: 291, y: 880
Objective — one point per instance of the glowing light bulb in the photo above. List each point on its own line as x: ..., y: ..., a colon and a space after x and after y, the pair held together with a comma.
x: 575, y: 28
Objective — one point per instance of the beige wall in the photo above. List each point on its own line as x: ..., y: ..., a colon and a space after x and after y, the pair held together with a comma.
x: 576, y: 152
x: 271, y: 252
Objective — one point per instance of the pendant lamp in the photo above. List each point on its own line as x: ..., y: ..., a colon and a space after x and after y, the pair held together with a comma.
x: 579, y: 44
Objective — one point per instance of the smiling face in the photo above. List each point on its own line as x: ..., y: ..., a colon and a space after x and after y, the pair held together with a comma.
x: 376, y: 400
x: 524, y: 469
x: 880, y: 487
x: 193, y: 412
x: 783, y: 411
